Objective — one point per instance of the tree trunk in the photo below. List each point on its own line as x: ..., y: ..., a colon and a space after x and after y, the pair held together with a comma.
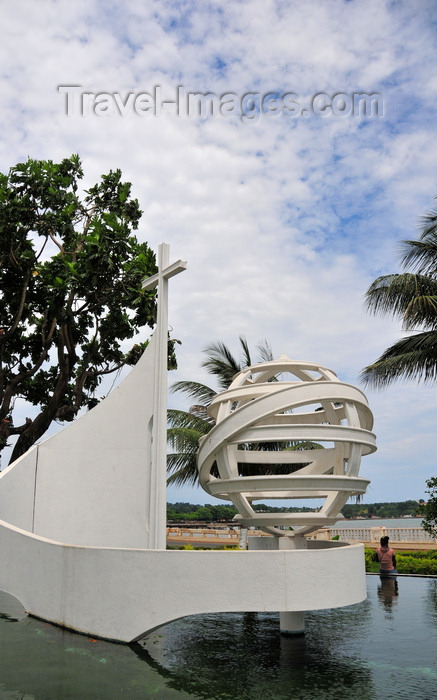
x: 41, y: 423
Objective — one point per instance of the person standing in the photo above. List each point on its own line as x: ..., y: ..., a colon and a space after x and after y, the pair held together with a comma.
x: 386, y: 557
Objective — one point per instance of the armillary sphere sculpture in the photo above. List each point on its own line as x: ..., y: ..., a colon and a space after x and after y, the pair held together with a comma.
x: 288, y: 430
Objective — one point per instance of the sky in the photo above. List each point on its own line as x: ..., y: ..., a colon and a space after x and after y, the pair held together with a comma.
x: 287, y: 192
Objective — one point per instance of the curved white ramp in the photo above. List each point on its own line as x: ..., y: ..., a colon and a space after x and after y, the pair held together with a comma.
x: 120, y: 594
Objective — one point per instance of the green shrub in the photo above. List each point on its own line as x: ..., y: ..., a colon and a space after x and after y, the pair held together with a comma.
x: 408, y: 562
x: 416, y: 565
x: 371, y: 565
x: 430, y: 554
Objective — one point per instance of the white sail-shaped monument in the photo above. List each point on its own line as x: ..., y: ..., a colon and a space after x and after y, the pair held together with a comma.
x: 82, y: 528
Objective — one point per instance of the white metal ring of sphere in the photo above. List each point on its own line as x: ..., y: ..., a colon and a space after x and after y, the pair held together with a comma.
x: 287, y: 430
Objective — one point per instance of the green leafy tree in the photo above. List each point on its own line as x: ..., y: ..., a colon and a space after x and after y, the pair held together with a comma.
x: 70, y: 291
x: 410, y: 296
x: 429, y: 510
x: 204, y: 513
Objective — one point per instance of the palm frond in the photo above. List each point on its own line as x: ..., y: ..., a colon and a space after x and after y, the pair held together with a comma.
x: 428, y: 222
x: 305, y: 445
x: 221, y: 362
x: 183, y: 419
x: 421, y: 312
x: 421, y: 255
x: 412, y: 357
x: 265, y: 352
x: 391, y: 294
x: 184, y: 471
x: 195, y: 391
x: 184, y: 439
x: 410, y: 297
x: 247, y: 360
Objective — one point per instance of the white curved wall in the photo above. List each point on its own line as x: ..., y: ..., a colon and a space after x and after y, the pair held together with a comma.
x: 120, y: 594
x: 90, y: 483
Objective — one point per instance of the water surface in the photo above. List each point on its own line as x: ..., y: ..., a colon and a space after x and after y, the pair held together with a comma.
x: 385, y: 647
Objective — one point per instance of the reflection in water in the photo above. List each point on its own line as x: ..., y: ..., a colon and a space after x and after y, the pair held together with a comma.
x: 346, y: 654
x: 388, y: 590
x: 242, y: 657
x: 431, y: 600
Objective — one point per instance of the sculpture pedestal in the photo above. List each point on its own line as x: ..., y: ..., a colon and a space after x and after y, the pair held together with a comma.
x: 291, y: 624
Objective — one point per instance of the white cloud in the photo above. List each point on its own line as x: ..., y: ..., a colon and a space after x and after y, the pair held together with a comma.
x: 284, y: 221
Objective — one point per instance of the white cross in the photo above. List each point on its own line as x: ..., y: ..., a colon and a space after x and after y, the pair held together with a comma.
x: 165, y: 271
x: 158, y: 469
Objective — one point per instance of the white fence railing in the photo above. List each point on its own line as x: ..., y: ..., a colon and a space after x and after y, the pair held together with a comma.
x: 352, y: 534
x: 373, y: 534
x: 203, y: 533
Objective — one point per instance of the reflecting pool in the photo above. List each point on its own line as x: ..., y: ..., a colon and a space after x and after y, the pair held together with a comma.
x: 385, y: 647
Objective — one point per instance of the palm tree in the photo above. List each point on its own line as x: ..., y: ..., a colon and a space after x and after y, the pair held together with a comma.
x: 183, y: 435
x: 187, y: 427
x: 222, y: 363
x: 410, y: 296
